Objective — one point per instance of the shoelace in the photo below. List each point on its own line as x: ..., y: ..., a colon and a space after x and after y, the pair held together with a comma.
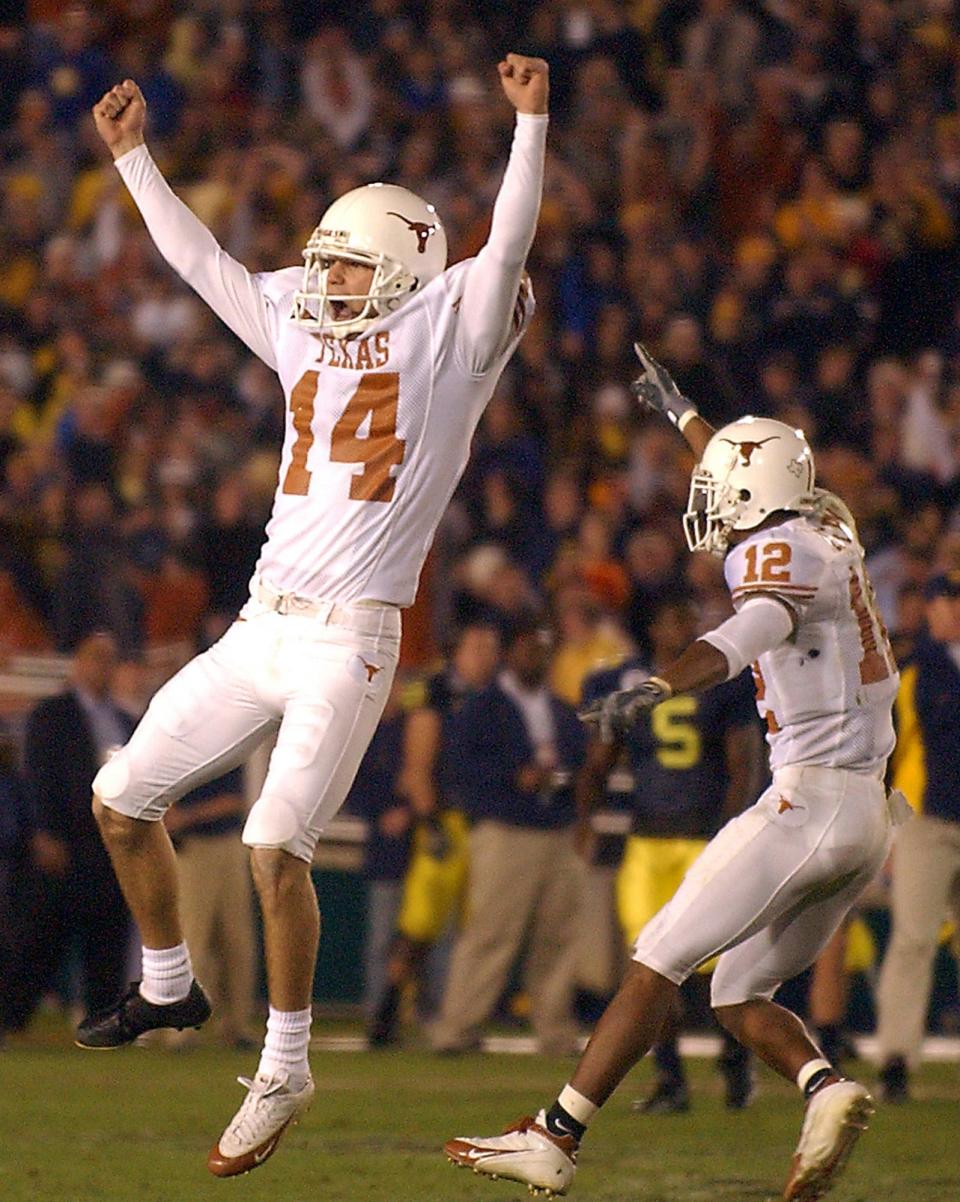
x: 244, y: 1126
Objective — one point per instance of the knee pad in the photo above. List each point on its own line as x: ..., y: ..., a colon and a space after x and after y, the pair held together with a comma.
x: 273, y: 822
x: 113, y: 778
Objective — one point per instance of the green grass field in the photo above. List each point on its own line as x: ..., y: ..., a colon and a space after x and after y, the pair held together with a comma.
x: 135, y: 1126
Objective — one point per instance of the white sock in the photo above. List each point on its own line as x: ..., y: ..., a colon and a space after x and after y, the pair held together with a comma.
x: 285, y: 1047
x: 166, y: 974
x: 576, y: 1105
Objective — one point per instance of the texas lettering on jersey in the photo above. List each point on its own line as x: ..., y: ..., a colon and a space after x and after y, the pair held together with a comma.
x: 361, y: 354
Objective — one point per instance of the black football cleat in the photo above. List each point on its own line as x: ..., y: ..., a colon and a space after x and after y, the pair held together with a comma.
x: 669, y: 1096
x: 895, y: 1081
x: 131, y: 1015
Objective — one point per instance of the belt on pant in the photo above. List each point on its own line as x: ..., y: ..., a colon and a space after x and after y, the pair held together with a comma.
x: 311, y: 607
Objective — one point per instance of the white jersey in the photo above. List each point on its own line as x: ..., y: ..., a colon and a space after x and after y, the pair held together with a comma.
x: 378, y: 425
x: 827, y: 693
x: 378, y: 434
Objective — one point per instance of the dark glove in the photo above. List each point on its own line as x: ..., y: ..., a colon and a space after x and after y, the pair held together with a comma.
x: 655, y: 389
x: 614, y: 714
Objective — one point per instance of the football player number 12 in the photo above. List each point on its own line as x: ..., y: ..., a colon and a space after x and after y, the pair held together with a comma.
x: 373, y: 403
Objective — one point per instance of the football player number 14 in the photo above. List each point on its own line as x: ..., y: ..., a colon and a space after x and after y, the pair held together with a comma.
x: 374, y: 405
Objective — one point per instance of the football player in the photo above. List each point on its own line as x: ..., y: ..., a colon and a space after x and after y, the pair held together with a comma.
x: 773, y: 885
x: 690, y: 763
x: 387, y: 359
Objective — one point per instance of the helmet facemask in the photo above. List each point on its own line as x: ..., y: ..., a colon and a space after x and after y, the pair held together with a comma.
x: 390, y: 286
x: 712, y: 511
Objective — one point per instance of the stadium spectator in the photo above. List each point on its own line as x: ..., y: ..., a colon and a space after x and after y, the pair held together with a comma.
x: 515, y: 747
x: 434, y: 881
x: 216, y: 900
x: 68, y: 737
x: 17, y: 891
x: 586, y: 640
x: 375, y: 797
x: 926, y: 858
x: 95, y: 589
x: 72, y: 70
x: 227, y: 546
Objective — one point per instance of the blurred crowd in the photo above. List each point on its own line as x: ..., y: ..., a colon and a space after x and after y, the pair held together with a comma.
x: 766, y: 192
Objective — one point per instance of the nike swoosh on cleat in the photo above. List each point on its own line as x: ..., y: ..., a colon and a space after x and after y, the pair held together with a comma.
x: 260, y: 1156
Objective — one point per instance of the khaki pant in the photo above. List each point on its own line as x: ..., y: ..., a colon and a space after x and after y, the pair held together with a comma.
x: 522, y: 883
x: 601, y: 956
x: 926, y: 889
x: 216, y: 907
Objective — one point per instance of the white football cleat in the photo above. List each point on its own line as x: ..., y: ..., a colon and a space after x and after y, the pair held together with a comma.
x: 254, y: 1131
x: 836, y: 1114
x: 526, y: 1152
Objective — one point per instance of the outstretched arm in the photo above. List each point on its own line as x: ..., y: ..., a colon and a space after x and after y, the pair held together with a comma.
x: 183, y: 240
x: 655, y: 389
x: 760, y: 625
x: 492, y: 290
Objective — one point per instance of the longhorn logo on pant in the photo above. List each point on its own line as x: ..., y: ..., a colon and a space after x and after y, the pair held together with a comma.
x: 372, y: 670
x: 747, y: 448
x: 420, y: 228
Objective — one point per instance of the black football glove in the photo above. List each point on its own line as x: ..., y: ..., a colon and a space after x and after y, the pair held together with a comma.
x: 614, y: 714
x: 655, y: 389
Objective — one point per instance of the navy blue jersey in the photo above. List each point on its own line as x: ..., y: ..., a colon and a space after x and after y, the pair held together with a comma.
x: 447, y: 695
x: 928, y: 702
x: 674, y: 772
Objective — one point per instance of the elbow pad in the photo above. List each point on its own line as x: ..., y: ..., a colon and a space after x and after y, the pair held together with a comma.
x: 761, y: 624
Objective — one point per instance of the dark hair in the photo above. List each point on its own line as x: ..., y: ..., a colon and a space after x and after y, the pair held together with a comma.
x: 460, y: 631
x: 522, y: 625
x: 672, y: 598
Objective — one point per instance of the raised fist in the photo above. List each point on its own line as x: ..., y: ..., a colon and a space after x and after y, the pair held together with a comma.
x: 525, y: 82
x: 120, y: 116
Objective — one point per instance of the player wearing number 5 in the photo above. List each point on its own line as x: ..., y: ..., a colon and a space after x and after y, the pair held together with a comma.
x: 770, y: 889
x: 690, y: 764
x: 387, y: 359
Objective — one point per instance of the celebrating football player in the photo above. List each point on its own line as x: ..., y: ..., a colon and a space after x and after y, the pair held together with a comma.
x: 387, y: 359
x: 773, y: 885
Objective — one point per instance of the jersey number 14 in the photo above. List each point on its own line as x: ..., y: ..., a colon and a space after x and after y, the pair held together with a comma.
x: 376, y: 398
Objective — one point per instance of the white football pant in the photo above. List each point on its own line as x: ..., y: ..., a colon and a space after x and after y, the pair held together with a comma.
x: 319, y: 680
x: 773, y: 885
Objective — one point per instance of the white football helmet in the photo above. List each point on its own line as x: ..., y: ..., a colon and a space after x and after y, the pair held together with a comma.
x: 382, y: 226
x: 749, y: 469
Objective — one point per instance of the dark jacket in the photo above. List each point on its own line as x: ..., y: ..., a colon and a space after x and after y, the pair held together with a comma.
x: 60, y: 762
x: 928, y: 704
x: 16, y: 817
x: 489, y: 746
